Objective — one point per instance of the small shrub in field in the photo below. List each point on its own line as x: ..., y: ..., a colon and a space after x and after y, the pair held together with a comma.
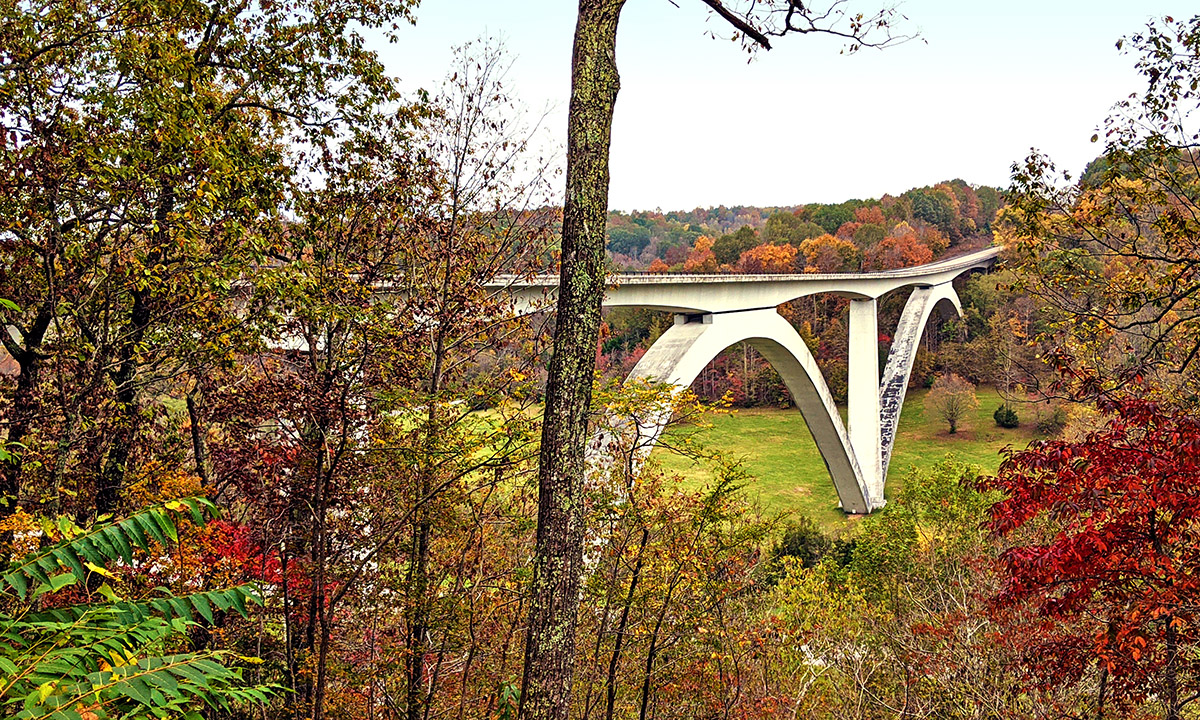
x: 1006, y: 416
x: 1051, y: 420
x: 951, y: 398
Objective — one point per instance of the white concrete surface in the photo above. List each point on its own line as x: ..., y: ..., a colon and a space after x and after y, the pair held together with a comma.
x: 714, y: 312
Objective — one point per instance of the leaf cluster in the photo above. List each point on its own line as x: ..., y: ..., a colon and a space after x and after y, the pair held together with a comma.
x: 113, y: 657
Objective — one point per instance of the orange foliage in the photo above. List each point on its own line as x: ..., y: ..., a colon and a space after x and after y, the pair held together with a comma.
x: 658, y: 267
x: 926, y: 235
x: 903, y: 247
x: 829, y: 254
x: 701, y: 258
x: 870, y: 215
x: 768, y: 258
x: 847, y: 230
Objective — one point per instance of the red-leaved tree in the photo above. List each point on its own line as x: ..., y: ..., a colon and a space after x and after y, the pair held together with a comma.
x: 1106, y: 552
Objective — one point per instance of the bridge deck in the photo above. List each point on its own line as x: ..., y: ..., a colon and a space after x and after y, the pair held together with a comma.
x: 712, y: 293
x: 959, y: 263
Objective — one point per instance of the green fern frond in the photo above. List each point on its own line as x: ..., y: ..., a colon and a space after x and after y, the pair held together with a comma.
x: 103, y: 544
x: 169, y: 607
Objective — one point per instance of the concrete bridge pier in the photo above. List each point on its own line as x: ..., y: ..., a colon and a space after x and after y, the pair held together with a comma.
x: 922, y: 302
x: 857, y: 453
x: 862, y: 396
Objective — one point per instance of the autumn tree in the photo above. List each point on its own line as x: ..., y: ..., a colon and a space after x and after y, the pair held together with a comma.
x: 903, y: 247
x: 894, y: 618
x: 549, y: 660
x: 1103, y: 540
x: 1115, y: 257
x: 144, y: 145
x: 829, y: 254
x: 766, y: 258
x: 951, y: 398
x: 869, y: 215
x: 701, y: 259
x: 355, y: 440
x: 787, y: 228
x: 730, y: 246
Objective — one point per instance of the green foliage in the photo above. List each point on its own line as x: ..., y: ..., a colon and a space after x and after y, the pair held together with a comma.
x: 1006, y: 416
x: 802, y: 540
x: 901, y: 624
x: 935, y: 208
x: 805, y: 544
x: 628, y: 240
x: 869, y: 235
x: 787, y: 228
x: 1050, y: 419
x: 728, y: 248
x: 832, y: 217
x: 114, y: 658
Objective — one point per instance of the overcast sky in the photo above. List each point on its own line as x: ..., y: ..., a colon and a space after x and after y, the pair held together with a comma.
x: 696, y: 125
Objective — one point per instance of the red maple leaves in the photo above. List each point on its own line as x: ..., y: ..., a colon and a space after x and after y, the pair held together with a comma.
x: 1106, y: 552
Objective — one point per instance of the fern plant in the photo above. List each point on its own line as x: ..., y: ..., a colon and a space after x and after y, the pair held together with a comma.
x: 116, y: 658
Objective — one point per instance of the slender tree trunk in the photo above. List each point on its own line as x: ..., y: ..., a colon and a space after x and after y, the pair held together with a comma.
x: 652, y: 652
x: 418, y: 623
x: 619, y: 641
x: 418, y: 576
x: 602, y: 630
x: 195, y: 408
x: 319, y: 611
x: 112, y: 476
x: 24, y: 407
x: 554, y: 598
x: 1171, y: 694
x: 289, y: 631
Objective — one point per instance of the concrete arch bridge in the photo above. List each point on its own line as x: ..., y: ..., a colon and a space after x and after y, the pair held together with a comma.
x: 713, y: 312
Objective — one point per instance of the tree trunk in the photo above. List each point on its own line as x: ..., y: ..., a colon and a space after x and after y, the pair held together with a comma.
x: 199, y: 431
x: 1171, y: 691
x: 24, y: 407
x: 112, y: 476
x: 619, y: 641
x: 554, y: 600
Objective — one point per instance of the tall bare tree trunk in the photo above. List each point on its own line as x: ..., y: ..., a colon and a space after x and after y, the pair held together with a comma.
x: 554, y: 600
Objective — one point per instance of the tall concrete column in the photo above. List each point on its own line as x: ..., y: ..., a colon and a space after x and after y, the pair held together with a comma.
x: 863, y: 396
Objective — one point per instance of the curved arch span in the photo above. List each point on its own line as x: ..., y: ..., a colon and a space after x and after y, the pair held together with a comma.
x: 894, y: 384
x: 683, y: 351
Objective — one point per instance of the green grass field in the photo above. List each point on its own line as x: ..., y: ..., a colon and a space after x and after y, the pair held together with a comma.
x: 779, y: 453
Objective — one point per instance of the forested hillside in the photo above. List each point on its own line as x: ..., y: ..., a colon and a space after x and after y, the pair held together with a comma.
x: 948, y: 214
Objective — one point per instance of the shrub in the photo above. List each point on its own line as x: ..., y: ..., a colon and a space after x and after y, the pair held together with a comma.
x: 804, y: 541
x: 111, y: 657
x: 1006, y: 417
x: 1051, y: 420
x: 951, y: 398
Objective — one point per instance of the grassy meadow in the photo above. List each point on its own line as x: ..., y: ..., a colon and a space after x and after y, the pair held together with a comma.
x: 789, y: 476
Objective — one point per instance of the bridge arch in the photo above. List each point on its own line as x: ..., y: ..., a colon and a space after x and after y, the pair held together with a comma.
x: 893, y: 386
x: 713, y: 312
x: 682, y: 352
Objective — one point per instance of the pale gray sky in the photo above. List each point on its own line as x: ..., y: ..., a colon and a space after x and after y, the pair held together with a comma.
x: 696, y: 125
